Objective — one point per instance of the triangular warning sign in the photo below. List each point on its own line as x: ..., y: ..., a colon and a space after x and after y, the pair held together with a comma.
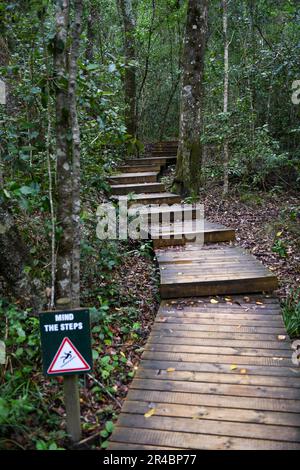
x: 68, y: 359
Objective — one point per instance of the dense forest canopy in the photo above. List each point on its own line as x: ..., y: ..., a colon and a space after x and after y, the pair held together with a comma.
x: 85, y: 85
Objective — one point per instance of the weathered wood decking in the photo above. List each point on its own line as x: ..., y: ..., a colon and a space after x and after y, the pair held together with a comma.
x: 216, y: 372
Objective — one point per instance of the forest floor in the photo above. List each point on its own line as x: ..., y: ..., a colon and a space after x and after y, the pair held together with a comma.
x: 266, y: 224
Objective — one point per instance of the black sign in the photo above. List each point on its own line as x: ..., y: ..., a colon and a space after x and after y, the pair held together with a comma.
x: 66, y: 342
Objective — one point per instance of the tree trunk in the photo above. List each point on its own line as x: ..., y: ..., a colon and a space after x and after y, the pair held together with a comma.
x: 64, y: 158
x: 92, y: 21
x: 16, y: 264
x: 189, y: 150
x: 129, y: 77
x: 76, y: 152
x: 226, y: 92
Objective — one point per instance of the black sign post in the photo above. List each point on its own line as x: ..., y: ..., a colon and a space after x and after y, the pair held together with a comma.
x: 66, y: 351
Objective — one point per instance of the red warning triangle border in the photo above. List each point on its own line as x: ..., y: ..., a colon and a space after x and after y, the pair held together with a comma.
x: 76, y: 369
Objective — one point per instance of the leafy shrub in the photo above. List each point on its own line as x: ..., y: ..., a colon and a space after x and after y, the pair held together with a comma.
x: 291, y: 313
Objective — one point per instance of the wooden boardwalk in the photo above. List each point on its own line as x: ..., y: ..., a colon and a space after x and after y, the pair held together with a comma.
x: 216, y: 372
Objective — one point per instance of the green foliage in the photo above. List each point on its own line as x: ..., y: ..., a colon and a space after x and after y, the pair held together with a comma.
x: 291, y: 313
x: 42, y: 445
x: 22, y: 407
x: 280, y: 248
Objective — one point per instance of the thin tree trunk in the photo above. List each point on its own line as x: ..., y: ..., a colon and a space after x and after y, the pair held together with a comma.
x: 151, y: 28
x: 64, y: 158
x: 76, y: 152
x: 165, y: 116
x: 130, y: 74
x: 188, y: 166
x: 226, y: 92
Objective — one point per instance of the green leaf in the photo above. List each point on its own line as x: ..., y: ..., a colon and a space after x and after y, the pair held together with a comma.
x: 104, y: 434
x: 52, y: 446
x: 92, y: 67
x: 109, y: 426
x: 35, y: 90
x: 26, y: 190
x: 95, y: 355
x: 112, y: 67
x: 41, y: 445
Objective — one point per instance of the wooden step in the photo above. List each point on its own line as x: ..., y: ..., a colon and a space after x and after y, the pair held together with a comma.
x: 218, y: 271
x: 154, y: 198
x: 162, y: 153
x: 180, y: 233
x: 151, y: 160
x: 164, y: 145
x: 132, y: 178
x: 174, y: 212
x: 140, y: 188
x: 140, y: 168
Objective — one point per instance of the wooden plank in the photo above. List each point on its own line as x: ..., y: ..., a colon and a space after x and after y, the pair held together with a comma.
x: 196, y: 441
x: 211, y: 427
x: 127, y: 446
x: 214, y: 413
x: 137, y: 188
x: 132, y: 178
x: 200, y: 349
x: 221, y: 343
x: 181, y: 289
x: 180, y: 232
x: 165, y: 315
x: 232, y: 377
x: 139, y: 168
x: 152, y: 198
x: 228, y: 309
x: 219, y: 321
x: 163, y: 160
x: 252, y: 369
x: 219, y: 328
x: 218, y: 358
x: 216, y: 335
x: 223, y: 401
x: 240, y: 390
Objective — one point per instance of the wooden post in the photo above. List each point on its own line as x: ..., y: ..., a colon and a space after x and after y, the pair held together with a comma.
x: 71, y: 393
x: 72, y: 403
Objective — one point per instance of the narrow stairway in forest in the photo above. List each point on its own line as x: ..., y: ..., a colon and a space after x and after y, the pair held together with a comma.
x: 217, y: 371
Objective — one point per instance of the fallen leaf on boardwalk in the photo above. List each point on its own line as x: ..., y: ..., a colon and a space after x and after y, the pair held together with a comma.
x: 228, y: 299
x: 281, y: 337
x: 179, y: 274
x: 150, y: 413
x: 259, y: 303
x: 238, y: 327
x: 247, y: 299
x: 214, y: 301
x: 233, y: 367
x: 171, y: 369
x: 243, y: 371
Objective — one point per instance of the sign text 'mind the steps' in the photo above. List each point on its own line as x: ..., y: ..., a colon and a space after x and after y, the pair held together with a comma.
x: 63, y: 317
